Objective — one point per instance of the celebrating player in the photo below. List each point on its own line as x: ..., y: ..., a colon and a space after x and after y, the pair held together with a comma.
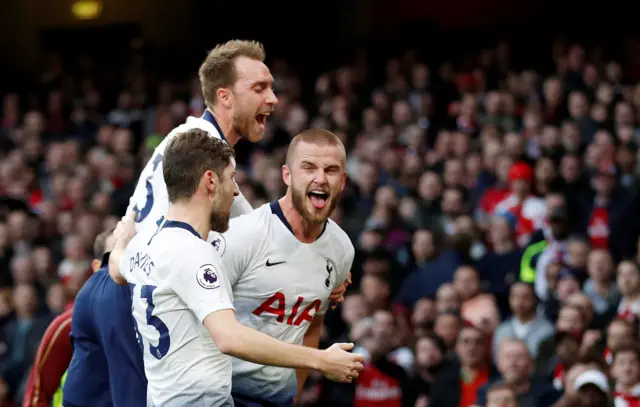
x: 238, y: 92
x: 283, y: 259
x: 181, y: 295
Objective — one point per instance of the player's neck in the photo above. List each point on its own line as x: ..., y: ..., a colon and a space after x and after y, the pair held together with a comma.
x: 303, y: 231
x: 224, y: 121
x: 197, y: 216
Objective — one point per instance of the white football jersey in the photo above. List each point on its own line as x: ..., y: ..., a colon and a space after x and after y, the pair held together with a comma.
x: 279, y: 285
x: 176, y: 283
x: 150, y: 200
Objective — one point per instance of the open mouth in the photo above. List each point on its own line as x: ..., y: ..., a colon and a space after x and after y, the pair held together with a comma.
x: 262, y: 119
x: 318, y: 198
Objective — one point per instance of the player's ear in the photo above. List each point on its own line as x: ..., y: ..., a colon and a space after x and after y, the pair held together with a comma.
x: 225, y: 97
x: 286, y: 175
x: 210, y: 180
x: 95, y: 265
x: 343, y: 181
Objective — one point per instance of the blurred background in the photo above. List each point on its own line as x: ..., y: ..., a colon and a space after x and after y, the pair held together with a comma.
x: 492, y: 162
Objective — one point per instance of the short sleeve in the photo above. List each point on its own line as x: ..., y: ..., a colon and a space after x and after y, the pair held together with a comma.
x: 200, y: 281
x: 241, y: 245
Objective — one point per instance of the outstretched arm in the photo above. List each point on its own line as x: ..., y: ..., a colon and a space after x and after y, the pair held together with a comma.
x: 235, y: 339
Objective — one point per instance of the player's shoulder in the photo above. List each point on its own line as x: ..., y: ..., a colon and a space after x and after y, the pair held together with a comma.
x: 339, y: 238
x: 257, y: 220
x: 190, y: 124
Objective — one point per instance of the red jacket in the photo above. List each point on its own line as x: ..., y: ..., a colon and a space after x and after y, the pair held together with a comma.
x: 52, y: 360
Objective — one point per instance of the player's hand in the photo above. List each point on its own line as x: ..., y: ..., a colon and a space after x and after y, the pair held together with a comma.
x: 125, y: 230
x: 339, y: 365
x: 337, y: 295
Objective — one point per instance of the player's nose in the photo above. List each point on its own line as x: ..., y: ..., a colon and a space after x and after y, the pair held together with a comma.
x: 272, y: 99
x: 236, y: 189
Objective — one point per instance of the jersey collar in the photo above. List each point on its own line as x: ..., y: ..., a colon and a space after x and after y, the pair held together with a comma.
x: 277, y: 210
x: 211, y: 119
x: 181, y: 225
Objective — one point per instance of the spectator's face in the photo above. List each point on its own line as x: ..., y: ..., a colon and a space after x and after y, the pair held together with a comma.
x: 451, y: 202
x: 424, y: 312
x: 453, y: 173
x: 427, y: 353
x: 628, y: 278
x: 466, y: 283
x: 514, y: 362
x: 604, y: 94
x: 583, y: 303
x: 522, y: 301
x: 447, y: 298
x: 368, y: 177
x: 618, y: 333
x: 422, y: 245
x: 578, y: 105
x: 568, y: 349
x: 502, y: 398
x: 24, y: 299
x: 386, y: 197
x: 626, y: 369
x: 384, y: 327
x: 56, y: 298
x: 408, y: 209
x: 370, y: 120
x: 122, y: 141
x: 514, y: 145
x: 591, y: 396
x: 570, y: 320
x: 429, y: 186
x: 577, y: 254
x: 570, y: 168
x: 401, y: 113
x: 354, y: 309
x: 599, y: 265
x: 571, y: 139
x: 550, y: 137
x: 520, y: 187
x: 42, y: 261
x: 447, y: 327
x: 626, y: 158
x: 545, y: 170
x: 499, y: 231
x: 390, y: 161
x: 18, y: 226
x: 566, y: 287
x: 624, y: 114
x: 22, y: 269
x: 461, y: 145
x: 374, y: 291
x: 471, y: 347
x: 552, y: 91
x: 502, y: 168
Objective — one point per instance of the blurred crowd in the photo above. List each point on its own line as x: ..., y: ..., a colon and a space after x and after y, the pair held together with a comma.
x: 493, y: 210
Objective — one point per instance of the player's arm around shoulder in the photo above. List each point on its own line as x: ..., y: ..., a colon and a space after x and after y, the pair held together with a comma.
x: 122, y: 235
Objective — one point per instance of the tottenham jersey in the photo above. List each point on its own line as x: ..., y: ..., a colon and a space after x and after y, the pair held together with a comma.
x: 176, y: 282
x: 150, y: 200
x: 279, y: 285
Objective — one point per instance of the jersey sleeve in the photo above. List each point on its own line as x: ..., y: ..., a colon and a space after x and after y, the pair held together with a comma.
x: 200, y: 281
x: 242, y: 244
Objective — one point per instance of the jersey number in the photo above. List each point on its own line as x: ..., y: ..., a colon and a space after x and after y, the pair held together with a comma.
x: 164, y: 341
x: 141, y: 214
